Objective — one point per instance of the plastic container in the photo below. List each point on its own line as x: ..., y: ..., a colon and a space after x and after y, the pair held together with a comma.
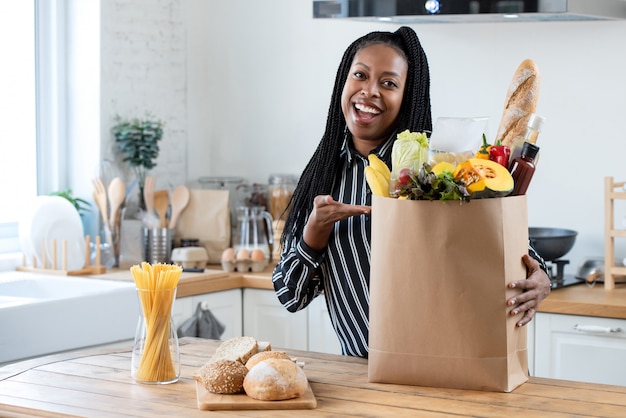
x: 190, y: 257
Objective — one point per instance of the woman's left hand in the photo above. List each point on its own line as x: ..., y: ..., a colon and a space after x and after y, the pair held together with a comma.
x: 535, y: 288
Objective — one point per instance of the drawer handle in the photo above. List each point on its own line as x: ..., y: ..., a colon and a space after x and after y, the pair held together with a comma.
x: 596, y: 329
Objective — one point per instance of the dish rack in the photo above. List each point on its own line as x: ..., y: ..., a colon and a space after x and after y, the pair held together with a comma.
x: 89, y: 269
x: 612, y: 191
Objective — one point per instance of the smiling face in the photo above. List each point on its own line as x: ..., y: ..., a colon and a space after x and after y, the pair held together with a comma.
x: 372, y: 95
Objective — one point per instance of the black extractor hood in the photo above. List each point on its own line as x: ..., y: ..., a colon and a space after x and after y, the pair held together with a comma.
x: 459, y: 11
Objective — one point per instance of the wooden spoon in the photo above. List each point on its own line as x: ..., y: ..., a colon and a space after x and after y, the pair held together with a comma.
x: 100, y: 197
x: 117, y: 195
x: 161, y: 204
x: 180, y: 199
x: 148, y: 193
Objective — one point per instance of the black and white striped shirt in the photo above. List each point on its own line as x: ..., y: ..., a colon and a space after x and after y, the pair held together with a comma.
x: 342, y: 270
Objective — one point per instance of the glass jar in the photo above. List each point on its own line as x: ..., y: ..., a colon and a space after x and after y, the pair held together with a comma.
x: 156, y: 355
x: 280, y: 190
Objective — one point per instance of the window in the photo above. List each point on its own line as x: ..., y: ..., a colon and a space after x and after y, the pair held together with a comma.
x: 18, y: 158
x: 31, y: 37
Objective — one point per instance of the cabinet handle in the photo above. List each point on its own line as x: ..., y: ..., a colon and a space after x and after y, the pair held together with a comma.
x: 596, y: 329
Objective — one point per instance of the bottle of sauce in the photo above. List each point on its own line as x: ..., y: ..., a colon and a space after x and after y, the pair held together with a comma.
x: 533, y: 128
x: 523, y: 168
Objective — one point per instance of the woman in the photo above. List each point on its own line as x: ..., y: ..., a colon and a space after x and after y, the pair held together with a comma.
x: 382, y: 88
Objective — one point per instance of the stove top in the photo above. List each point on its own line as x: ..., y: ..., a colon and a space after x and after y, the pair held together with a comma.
x: 558, y: 278
x: 567, y: 280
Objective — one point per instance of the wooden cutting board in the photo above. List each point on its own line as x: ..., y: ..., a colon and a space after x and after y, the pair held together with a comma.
x: 208, y: 401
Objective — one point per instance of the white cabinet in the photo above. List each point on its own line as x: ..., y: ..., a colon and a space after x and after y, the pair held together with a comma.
x: 322, y: 337
x: 258, y: 313
x: 580, y: 348
x: 265, y: 319
x: 530, y: 345
x: 226, y: 306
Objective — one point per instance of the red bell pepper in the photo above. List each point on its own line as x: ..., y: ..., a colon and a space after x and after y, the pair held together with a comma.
x: 500, y: 153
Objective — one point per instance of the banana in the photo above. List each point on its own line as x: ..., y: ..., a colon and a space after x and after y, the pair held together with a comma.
x: 379, y: 165
x: 377, y: 182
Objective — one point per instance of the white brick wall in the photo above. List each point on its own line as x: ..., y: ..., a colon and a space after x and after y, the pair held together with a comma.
x: 143, y: 69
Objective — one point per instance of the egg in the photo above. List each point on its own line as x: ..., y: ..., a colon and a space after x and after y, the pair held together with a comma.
x: 257, y: 255
x: 228, y: 254
x: 243, y: 254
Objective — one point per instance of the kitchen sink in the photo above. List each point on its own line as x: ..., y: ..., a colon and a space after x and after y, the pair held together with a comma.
x: 42, y: 313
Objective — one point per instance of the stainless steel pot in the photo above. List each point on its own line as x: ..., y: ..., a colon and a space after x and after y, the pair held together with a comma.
x: 592, y: 270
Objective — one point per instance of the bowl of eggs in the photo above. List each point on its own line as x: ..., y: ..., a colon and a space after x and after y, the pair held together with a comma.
x: 244, y: 260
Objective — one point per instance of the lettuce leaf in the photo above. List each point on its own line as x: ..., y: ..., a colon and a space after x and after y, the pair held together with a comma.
x: 410, y: 150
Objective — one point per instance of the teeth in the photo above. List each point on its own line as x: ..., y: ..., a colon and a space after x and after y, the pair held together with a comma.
x: 366, y: 109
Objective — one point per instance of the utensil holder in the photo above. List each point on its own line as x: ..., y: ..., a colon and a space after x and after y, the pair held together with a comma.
x: 156, y: 355
x: 157, y: 244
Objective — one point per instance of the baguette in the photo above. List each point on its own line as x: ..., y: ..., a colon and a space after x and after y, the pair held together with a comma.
x: 520, y: 103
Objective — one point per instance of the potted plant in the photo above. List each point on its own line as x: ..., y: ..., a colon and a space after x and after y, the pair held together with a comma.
x: 81, y: 205
x: 138, y: 140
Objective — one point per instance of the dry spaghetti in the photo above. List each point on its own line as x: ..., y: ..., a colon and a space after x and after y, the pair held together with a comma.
x: 156, y: 287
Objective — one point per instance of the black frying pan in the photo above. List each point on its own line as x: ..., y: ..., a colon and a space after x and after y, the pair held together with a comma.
x: 552, y: 243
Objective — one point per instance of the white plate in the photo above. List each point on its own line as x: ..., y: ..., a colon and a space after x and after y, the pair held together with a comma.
x: 53, y: 218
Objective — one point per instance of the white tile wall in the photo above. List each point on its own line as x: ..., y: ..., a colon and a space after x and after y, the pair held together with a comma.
x: 143, y: 69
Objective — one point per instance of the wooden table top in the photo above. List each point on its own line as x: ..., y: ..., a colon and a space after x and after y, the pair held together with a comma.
x: 97, y: 383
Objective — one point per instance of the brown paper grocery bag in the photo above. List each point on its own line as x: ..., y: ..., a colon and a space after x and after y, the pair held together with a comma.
x: 438, y: 314
x: 207, y: 218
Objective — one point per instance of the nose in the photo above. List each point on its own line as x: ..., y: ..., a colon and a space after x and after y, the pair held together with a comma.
x: 370, y: 89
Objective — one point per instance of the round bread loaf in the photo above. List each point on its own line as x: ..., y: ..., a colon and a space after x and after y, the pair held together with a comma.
x: 222, y: 376
x: 275, y: 380
x: 236, y: 349
x: 264, y: 355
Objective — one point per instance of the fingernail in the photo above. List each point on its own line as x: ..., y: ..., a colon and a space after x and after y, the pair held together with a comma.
x: 514, y: 312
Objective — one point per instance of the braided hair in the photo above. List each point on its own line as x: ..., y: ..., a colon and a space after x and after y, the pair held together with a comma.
x: 320, y: 172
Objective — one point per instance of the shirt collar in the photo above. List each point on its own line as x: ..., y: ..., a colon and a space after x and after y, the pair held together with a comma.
x: 383, y: 150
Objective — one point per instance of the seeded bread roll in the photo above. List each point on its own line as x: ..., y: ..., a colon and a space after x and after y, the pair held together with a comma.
x: 275, y: 380
x: 264, y: 355
x: 520, y: 103
x: 222, y: 376
x: 236, y: 349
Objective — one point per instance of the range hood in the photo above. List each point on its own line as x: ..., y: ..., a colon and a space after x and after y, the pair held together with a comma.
x: 461, y: 11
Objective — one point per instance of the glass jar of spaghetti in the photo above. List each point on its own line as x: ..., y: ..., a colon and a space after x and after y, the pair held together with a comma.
x: 280, y: 190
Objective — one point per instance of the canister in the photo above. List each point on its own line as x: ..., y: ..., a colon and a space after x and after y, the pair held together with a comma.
x: 280, y: 190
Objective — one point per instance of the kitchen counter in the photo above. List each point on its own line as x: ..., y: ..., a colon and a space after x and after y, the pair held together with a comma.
x: 583, y: 300
x: 213, y: 279
x: 574, y: 300
x: 98, y: 383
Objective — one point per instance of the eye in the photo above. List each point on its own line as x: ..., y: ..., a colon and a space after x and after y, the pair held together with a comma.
x: 358, y: 74
x: 390, y: 84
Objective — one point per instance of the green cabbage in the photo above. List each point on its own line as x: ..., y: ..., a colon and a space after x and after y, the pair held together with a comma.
x: 410, y: 150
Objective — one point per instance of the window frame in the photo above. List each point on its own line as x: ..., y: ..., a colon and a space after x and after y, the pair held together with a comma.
x: 50, y: 110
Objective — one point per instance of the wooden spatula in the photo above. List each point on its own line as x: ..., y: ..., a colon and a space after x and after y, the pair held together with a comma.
x: 180, y: 199
x: 161, y: 204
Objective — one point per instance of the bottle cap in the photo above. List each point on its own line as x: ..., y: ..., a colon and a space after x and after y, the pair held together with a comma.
x: 535, y: 122
x: 529, y: 150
